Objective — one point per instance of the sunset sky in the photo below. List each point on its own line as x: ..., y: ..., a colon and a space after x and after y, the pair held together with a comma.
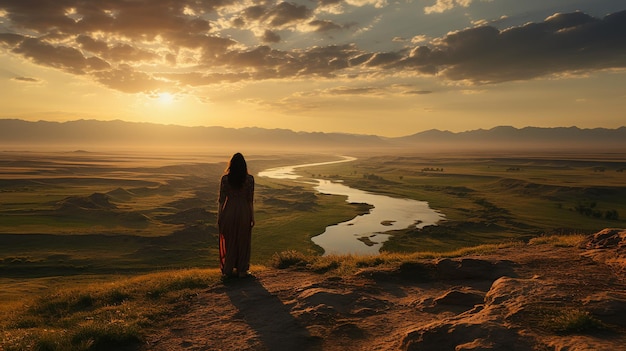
x: 383, y: 67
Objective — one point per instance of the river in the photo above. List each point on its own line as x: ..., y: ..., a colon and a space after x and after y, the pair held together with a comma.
x: 364, y: 234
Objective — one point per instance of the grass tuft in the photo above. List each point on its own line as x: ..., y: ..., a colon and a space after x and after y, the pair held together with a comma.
x: 290, y: 258
x: 575, y: 321
x: 349, y: 264
x: 558, y: 240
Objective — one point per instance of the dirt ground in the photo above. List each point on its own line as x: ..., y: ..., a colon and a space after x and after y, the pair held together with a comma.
x: 510, y: 300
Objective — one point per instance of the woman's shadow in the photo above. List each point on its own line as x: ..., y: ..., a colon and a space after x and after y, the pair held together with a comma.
x: 266, y: 314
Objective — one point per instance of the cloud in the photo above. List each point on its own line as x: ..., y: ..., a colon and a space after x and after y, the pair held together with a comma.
x: 418, y: 92
x: 137, y: 20
x: 279, y: 15
x: 270, y: 37
x: 354, y: 91
x: 144, y: 46
x: 117, y: 52
x: 562, y: 43
x: 445, y: 5
x: 324, y: 26
x: 62, y: 57
x: 285, y: 13
x: 329, y: 2
x: 26, y: 79
x: 128, y: 80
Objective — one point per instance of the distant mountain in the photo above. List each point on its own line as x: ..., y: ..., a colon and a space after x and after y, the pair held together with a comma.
x: 85, y: 134
x: 530, y: 138
x: 90, y: 134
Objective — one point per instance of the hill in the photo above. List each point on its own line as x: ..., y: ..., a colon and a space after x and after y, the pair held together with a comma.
x: 529, y: 138
x: 552, y: 293
x: 89, y: 134
x: 535, y: 296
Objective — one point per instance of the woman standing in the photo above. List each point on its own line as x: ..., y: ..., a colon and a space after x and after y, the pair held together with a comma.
x: 235, y: 217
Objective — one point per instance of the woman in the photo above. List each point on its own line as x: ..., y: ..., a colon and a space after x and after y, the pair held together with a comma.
x: 235, y: 217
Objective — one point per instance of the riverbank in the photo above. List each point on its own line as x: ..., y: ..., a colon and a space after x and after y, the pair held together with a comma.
x: 366, y: 233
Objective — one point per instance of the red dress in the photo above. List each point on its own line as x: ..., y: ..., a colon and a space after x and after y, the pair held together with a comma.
x: 235, y: 225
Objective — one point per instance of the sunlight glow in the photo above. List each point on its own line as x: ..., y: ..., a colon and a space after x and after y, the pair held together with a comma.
x: 165, y: 98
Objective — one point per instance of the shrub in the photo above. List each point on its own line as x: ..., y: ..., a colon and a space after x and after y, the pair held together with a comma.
x: 575, y: 321
x: 289, y: 258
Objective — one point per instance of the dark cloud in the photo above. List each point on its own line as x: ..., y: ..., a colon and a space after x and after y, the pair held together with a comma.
x: 26, y: 79
x: 329, y: 2
x: 360, y: 59
x: 254, y: 13
x: 111, y: 40
x: 90, y: 44
x: 324, y: 26
x: 562, y: 43
x: 261, y: 57
x: 277, y: 16
x: 128, y: 80
x: 140, y: 19
x: 383, y: 58
x: 418, y: 92
x: 354, y: 91
x: 286, y: 13
x: 326, y: 61
x: 270, y: 37
x: 10, y: 39
x: 62, y: 57
x: 117, y: 52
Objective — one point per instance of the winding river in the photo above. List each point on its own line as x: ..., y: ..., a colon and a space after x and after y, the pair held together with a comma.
x: 364, y: 234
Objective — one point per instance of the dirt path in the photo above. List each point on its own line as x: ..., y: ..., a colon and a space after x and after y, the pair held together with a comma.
x: 459, y: 304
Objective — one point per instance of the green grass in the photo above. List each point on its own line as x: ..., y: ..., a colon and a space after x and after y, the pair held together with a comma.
x: 567, y: 321
x: 114, y: 314
x: 570, y: 321
x: 484, y: 201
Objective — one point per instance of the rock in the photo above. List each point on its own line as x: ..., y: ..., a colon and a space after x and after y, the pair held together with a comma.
x: 460, y: 297
x: 416, y: 271
x: 608, y: 306
x: 507, y: 289
x: 607, y: 246
x: 608, y: 238
x: 471, y: 268
x: 451, y: 335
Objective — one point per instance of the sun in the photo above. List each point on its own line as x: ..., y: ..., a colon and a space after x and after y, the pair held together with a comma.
x: 165, y: 98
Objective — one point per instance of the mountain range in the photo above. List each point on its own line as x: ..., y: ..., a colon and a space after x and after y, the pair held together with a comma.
x: 90, y: 134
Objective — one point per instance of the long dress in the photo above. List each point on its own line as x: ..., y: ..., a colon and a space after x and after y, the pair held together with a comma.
x: 235, y: 225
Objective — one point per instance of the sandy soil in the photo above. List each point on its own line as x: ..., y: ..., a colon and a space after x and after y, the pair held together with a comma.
x: 509, y: 300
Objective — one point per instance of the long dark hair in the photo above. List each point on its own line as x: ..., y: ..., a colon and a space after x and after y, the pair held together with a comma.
x: 237, y: 170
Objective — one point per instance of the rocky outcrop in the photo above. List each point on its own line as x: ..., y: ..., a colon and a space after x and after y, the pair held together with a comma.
x: 557, y: 308
x: 527, y: 297
x: 608, y: 246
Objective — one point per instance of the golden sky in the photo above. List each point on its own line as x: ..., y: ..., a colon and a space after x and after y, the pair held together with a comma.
x: 383, y: 67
